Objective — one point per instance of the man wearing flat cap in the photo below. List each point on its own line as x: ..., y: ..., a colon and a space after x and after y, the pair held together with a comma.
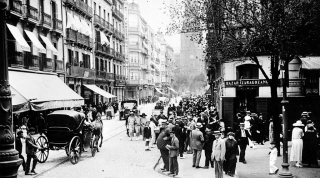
x: 218, y: 154
x: 173, y: 154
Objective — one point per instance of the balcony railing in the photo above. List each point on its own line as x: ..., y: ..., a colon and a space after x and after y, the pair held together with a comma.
x: 96, y: 20
x: 15, y: 6
x: 71, y: 34
x: 32, y: 13
x: 45, y: 19
x: 101, y: 74
x: 117, y: 12
x: 109, y: 76
x: 76, y: 71
x: 57, y: 24
x: 72, y: 2
x: 79, y: 38
x: 45, y: 64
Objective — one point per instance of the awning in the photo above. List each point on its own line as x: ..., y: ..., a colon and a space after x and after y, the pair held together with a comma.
x: 78, y: 25
x: 158, y: 90
x: 35, y: 41
x: 44, y: 91
x: 86, y: 30
x: 70, y: 22
x: 100, y: 91
x: 19, y: 103
x: 172, y: 89
x: 49, y: 45
x: 310, y: 63
x: 144, y: 44
x: 18, y: 36
x: 104, y: 39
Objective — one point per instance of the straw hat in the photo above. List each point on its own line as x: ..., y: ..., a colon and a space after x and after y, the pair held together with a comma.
x: 298, y: 124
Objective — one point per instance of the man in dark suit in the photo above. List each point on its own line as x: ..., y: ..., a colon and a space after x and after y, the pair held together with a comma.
x: 173, y: 154
x: 242, y: 136
x: 163, y: 140
x: 19, y: 148
x: 31, y: 149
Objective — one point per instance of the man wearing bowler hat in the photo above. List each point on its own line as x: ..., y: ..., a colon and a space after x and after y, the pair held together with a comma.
x: 218, y: 154
x: 242, y: 136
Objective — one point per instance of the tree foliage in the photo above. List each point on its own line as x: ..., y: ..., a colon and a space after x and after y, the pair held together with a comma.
x: 244, y: 29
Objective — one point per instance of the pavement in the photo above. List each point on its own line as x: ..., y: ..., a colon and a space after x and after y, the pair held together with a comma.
x: 258, y: 165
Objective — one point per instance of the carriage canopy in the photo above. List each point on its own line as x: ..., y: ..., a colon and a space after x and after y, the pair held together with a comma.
x: 65, y: 118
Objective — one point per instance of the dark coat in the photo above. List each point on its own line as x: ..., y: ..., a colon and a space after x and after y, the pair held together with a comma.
x: 18, y: 145
x: 242, y: 140
x: 147, y: 132
x: 177, y: 131
x: 309, y: 153
x: 208, y: 141
x: 161, y: 142
x: 231, y: 149
x: 31, y: 146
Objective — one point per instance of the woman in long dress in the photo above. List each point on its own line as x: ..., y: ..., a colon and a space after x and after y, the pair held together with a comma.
x: 297, y: 143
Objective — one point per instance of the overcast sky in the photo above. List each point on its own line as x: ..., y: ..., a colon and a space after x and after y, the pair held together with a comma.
x: 153, y: 12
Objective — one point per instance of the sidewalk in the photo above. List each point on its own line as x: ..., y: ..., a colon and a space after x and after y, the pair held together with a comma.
x: 258, y: 165
x: 187, y: 171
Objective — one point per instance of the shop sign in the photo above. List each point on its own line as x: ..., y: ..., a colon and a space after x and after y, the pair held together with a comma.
x: 250, y: 82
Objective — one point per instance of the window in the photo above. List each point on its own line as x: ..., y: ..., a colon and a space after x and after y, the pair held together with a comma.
x: 101, y: 65
x: 76, y: 58
x: 134, y: 76
x: 108, y: 18
x: 104, y: 14
x: 70, y: 56
x: 105, y: 65
x: 86, y: 61
x: 109, y: 67
x: 94, y: 8
x: 99, y: 11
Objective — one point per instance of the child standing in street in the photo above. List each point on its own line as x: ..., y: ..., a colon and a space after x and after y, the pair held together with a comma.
x: 147, y: 135
x: 273, y: 158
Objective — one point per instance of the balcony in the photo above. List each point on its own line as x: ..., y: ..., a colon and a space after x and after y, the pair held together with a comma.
x: 57, y: 25
x: 79, y: 6
x: 71, y: 35
x: 108, y: 27
x: 79, y: 38
x: 58, y: 67
x: 16, y: 7
x: 102, y: 50
x: 75, y: 71
x: 97, y: 21
x: 32, y: 14
x: 133, y: 82
x: 116, y: 12
x: 45, y: 20
x: 109, y: 76
x: 144, y: 66
x: 89, y: 73
x: 100, y: 74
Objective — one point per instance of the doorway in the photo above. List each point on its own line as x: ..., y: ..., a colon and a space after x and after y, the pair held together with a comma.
x: 246, y: 98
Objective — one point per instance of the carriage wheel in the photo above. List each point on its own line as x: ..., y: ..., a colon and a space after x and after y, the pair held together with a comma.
x: 75, y: 148
x: 43, y: 152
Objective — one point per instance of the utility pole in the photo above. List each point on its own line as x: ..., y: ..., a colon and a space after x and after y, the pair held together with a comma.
x: 9, y: 157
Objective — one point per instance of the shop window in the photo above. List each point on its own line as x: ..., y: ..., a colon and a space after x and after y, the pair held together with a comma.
x: 311, y: 87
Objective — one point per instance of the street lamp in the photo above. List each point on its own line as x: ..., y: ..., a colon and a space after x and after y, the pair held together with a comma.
x: 9, y: 157
x: 285, y: 173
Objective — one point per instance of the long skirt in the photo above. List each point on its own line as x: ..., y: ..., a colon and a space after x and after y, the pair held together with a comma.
x: 296, y: 150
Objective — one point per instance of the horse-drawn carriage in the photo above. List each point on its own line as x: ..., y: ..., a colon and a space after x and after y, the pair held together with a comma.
x: 66, y: 130
x: 126, y: 107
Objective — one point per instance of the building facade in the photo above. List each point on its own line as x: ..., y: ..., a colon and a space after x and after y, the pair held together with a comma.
x: 191, y: 55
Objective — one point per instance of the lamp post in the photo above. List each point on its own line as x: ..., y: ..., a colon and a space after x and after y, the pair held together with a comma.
x: 9, y: 157
x: 285, y: 173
